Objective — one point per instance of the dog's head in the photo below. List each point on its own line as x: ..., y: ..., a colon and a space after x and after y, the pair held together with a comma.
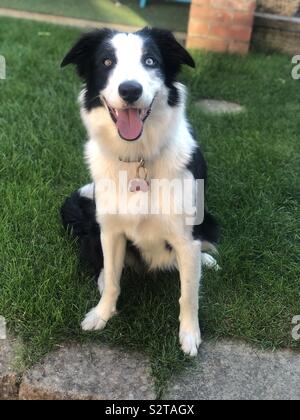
x: 126, y: 73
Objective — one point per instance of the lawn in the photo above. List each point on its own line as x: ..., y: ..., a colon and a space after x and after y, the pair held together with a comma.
x: 254, y: 167
x: 157, y: 13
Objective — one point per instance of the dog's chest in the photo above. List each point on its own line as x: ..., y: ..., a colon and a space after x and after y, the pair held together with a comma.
x: 139, y: 215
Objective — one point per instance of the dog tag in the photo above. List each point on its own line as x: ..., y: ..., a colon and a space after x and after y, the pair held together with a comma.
x: 138, y: 184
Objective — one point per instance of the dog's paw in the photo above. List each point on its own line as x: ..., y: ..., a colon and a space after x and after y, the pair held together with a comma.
x: 190, y: 341
x: 93, y: 321
x: 209, y: 262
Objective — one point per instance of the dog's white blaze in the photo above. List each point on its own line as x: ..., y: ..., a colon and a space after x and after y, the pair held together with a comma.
x: 129, y: 53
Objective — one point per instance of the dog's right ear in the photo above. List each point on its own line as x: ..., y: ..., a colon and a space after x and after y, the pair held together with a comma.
x: 83, y: 52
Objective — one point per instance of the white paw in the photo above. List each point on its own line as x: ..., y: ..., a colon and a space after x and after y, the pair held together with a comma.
x: 190, y: 341
x: 209, y: 261
x: 93, y: 321
x: 101, y: 282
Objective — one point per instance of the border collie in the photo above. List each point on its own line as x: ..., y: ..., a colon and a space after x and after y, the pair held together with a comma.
x: 133, y: 108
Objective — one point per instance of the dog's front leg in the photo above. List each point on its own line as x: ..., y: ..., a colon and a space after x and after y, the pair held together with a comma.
x: 189, y: 263
x: 114, y: 247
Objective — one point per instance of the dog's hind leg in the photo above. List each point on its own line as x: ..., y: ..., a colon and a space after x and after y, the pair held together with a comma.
x: 209, y: 261
x: 209, y: 234
x: 78, y: 214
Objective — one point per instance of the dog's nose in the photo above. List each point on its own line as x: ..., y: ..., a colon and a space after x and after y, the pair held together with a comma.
x: 130, y: 91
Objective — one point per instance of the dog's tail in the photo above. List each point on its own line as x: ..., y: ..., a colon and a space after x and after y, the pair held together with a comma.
x: 78, y: 215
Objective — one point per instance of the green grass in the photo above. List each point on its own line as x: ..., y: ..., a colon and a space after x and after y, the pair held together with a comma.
x: 157, y: 13
x: 253, y: 189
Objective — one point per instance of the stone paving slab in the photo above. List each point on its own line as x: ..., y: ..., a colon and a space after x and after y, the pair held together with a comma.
x: 10, y: 369
x: 89, y: 372
x: 234, y: 371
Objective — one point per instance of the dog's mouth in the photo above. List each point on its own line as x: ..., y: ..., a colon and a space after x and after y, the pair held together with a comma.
x: 129, y: 121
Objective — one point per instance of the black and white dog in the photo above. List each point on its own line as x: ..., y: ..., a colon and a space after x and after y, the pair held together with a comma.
x: 134, y: 111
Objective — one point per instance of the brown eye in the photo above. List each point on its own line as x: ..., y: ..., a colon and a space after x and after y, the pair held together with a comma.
x: 107, y: 62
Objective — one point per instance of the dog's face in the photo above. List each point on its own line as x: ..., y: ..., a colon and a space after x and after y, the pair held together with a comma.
x: 126, y: 73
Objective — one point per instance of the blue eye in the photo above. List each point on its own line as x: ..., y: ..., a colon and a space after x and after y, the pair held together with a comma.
x: 150, y: 62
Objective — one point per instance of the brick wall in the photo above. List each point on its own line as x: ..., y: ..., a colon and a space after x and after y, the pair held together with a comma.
x: 221, y: 25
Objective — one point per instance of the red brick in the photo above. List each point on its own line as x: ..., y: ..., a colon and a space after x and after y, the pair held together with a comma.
x: 218, y: 45
x: 242, y: 5
x: 202, y: 2
x: 221, y: 25
x: 241, y: 33
x: 243, y: 18
x: 220, y: 31
x: 239, y: 47
x: 198, y: 27
x: 231, y: 32
x: 209, y: 13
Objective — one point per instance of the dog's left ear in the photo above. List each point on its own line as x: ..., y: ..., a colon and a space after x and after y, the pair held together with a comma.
x: 171, y: 50
x: 83, y: 52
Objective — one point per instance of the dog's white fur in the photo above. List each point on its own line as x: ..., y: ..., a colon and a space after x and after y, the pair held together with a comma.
x: 167, y: 146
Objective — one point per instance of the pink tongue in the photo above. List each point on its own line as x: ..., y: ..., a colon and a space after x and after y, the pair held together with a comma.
x: 129, y: 124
